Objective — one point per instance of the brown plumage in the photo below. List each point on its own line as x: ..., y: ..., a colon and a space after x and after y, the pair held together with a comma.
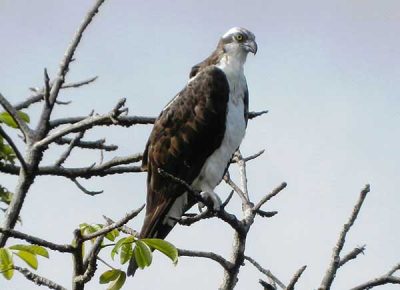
x: 188, y: 137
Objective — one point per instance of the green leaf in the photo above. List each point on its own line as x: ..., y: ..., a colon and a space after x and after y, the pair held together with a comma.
x: 111, y: 236
x: 6, y: 263
x: 118, y: 283
x: 164, y: 247
x: 118, y: 245
x: 28, y: 258
x: 126, y: 253
x: 5, y: 195
x: 143, y: 256
x: 6, y: 118
x: 109, y: 276
x: 33, y: 249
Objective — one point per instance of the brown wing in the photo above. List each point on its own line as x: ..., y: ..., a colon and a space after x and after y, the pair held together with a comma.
x: 185, y: 134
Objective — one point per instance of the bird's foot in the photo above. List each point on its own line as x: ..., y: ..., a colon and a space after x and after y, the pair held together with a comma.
x: 213, y: 198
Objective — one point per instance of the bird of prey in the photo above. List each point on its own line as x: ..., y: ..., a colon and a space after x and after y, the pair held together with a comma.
x: 196, y: 134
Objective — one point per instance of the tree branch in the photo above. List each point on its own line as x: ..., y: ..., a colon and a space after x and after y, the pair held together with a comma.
x: 80, y: 83
x: 265, y: 272
x: 43, y: 125
x: 295, y: 278
x: 39, y: 280
x: 269, y: 196
x: 26, y: 131
x: 99, y: 144
x: 209, y: 255
x: 113, y: 226
x: 14, y: 147
x: 334, y: 264
x: 352, y: 255
x: 37, y: 241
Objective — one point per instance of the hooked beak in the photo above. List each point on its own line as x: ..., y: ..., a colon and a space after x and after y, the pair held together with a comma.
x: 251, y: 46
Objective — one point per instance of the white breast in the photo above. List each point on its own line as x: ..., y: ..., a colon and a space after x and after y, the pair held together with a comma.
x: 215, y: 165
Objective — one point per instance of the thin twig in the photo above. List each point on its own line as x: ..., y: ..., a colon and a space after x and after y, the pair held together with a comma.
x: 83, y: 172
x: 209, y: 255
x: 98, y: 144
x: 335, y: 261
x: 295, y: 278
x: 265, y: 272
x: 68, y: 151
x: 269, y: 196
x: 113, y: 226
x: 84, y: 190
x: 352, y: 255
x: 124, y: 228
x: 387, y: 278
x: 80, y: 83
x: 14, y: 148
x: 16, y: 117
x: 39, y: 280
x: 124, y: 121
x: 252, y: 115
x: 235, y: 187
x: 37, y: 241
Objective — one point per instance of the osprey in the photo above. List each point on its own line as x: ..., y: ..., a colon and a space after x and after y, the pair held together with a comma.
x: 196, y: 134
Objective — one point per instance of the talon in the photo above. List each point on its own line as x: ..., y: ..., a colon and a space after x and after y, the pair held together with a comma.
x: 212, y: 197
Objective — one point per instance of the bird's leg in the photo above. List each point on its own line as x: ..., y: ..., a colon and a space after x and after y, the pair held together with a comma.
x: 213, y: 198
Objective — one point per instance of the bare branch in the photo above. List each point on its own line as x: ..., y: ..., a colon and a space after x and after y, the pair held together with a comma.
x: 209, y: 255
x: 388, y: 278
x: 85, y: 124
x: 254, y: 156
x: 99, y: 144
x: 29, y: 101
x: 84, y: 172
x: 80, y: 83
x: 266, y: 214
x: 64, y: 67
x: 352, y: 255
x: 265, y: 272
x: 252, y: 115
x: 14, y: 147
x: 14, y: 114
x: 295, y: 278
x: 84, y: 190
x: 124, y: 121
x: 236, y: 188
x: 47, y: 88
x: 68, y: 151
x: 243, y: 177
x: 334, y: 264
x: 113, y: 226
x: 269, y: 196
x: 37, y: 241
x: 39, y: 280
x: 124, y: 228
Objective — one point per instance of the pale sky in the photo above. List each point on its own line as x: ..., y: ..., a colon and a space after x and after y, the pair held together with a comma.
x: 328, y: 72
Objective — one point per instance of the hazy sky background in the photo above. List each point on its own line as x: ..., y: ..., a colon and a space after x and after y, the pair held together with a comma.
x: 328, y: 71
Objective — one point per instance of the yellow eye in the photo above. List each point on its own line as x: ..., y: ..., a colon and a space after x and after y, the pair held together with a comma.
x: 239, y: 37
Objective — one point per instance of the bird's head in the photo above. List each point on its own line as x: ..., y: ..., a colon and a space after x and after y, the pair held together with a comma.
x: 239, y: 40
